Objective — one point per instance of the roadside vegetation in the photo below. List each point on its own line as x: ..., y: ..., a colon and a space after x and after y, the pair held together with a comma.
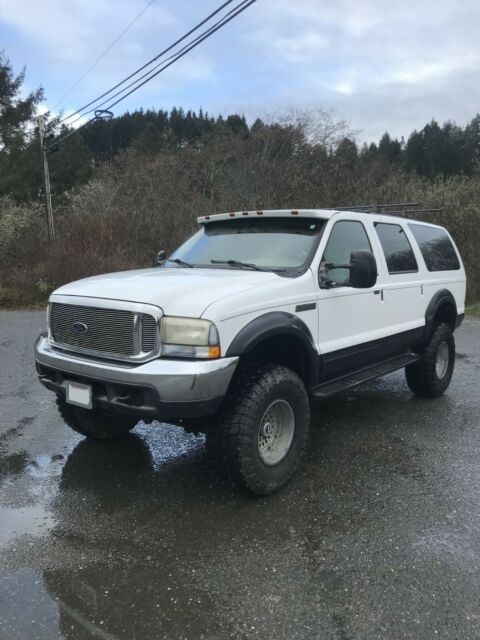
x: 125, y: 188
x: 473, y: 310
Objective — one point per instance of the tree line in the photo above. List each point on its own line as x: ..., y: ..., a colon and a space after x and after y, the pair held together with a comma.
x: 432, y: 152
x: 126, y: 187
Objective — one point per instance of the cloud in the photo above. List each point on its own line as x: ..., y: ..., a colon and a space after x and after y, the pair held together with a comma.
x: 381, y: 64
x: 72, y: 30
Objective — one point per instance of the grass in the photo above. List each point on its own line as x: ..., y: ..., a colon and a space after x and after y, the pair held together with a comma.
x: 473, y: 310
x: 13, y: 298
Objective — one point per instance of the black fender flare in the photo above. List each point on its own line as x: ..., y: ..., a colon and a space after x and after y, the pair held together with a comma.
x: 276, y: 323
x: 442, y: 297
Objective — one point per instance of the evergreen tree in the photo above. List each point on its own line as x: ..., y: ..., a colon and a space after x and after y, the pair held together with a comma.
x: 472, y: 145
x: 17, y: 113
x: 388, y: 148
x: 237, y: 125
x: 347, y: 152
x: 70, y: 165
x: 414, y: 154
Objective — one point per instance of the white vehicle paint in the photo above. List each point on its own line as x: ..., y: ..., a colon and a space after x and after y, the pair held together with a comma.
x: 333, y: 298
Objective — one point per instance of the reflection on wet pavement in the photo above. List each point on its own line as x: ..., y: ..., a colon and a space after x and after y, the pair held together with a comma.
x: 377, y: 537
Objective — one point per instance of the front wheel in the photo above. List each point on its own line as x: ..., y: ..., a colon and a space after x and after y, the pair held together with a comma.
x: 94, y: 423
x: 431, y: 375
x: 262, y: 428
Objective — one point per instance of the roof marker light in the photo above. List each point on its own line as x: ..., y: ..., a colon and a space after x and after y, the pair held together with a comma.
x: 245, y: 213
x: 259, y: 213
x: 232, y: 215
x: 294, y: 213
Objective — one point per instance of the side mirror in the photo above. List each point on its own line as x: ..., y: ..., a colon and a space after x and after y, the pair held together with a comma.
x: 160, y: 258
x: 363, y: 269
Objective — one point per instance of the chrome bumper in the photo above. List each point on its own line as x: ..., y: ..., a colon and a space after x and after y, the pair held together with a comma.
x: 174, y: 383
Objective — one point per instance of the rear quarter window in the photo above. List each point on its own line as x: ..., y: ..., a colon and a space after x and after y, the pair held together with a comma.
x: 436, y: 247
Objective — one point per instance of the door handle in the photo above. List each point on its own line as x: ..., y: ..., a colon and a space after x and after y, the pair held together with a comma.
x: 377, y: 292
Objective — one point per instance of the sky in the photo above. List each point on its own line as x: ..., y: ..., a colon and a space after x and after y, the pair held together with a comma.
x: 381, y: 65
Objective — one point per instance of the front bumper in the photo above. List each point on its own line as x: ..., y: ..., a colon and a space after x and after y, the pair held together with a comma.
x: 161, y: 388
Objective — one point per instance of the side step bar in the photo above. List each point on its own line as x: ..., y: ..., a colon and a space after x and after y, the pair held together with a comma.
x: 331, y: 387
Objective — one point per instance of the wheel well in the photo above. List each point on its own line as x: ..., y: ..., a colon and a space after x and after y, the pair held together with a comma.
x: 446, y: 312
x: 286, y: 350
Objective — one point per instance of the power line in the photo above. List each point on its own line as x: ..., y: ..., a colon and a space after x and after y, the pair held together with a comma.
x: 102, y: 55
x: 242, y: 6
x: 246, y: 4
x: 149, y: 74
x: 154, y: 59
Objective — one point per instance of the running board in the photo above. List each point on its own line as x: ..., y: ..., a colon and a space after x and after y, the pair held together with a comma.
x: 332, y: 387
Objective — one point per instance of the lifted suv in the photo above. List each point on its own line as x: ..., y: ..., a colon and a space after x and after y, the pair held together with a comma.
x: 250, y: 318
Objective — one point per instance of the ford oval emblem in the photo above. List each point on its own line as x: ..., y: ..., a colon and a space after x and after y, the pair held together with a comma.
x: 80, y: 327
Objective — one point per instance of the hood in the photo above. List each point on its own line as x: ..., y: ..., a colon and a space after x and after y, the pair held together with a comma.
x: 179, y: 292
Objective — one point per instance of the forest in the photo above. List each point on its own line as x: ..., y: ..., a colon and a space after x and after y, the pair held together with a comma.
x: 124, y: 188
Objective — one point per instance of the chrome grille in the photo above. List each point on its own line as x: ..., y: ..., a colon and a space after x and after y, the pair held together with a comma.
x: 103, y: 331
x: 149, y: 333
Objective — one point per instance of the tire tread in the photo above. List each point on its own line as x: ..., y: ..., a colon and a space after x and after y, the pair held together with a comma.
x: 230, y: 439
x: 421, y: 376
x: 93, y: 423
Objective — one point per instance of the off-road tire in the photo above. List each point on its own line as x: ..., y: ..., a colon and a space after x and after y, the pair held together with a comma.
x: 94, y: 423
x: 234, y: 440
x: 422, y: 375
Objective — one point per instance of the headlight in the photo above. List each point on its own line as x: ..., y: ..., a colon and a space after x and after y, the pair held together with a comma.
x: 189, y: 338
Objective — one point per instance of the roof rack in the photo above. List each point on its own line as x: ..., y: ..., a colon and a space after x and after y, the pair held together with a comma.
x: 376, y: 207
x: 400, y: 209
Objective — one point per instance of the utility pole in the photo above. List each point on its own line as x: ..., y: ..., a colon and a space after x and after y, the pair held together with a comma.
x: 46, y: 178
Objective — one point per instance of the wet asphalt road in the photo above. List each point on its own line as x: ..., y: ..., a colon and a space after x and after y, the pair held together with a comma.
x: 377, y: 537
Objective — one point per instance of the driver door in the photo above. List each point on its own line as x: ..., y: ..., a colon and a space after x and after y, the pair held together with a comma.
x: 350, y: 320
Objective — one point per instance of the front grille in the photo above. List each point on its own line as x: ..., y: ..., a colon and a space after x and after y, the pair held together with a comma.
x: 117, y: 332
x: 149, y: 333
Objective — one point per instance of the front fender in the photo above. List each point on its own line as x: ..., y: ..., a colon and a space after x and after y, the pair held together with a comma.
x: 272, y: 324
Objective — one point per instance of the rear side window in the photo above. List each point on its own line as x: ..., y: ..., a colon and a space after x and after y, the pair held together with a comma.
x: 436, y: 247
x: 396, y: 247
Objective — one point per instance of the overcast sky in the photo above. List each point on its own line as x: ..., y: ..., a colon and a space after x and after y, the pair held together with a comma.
x: 380, y: 64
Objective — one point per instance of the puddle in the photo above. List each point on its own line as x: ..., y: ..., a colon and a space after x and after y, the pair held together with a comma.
x: 28, y: 485
x: 27, y: 609
x: 13, y: 464
x: 45, y: 466
x: 30, y: 520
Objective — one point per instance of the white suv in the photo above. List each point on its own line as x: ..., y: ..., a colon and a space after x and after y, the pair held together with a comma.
x: 249, y: 319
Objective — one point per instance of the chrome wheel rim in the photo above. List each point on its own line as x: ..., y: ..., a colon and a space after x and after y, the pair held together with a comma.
x: 443, y: 357
x: 276, y: 431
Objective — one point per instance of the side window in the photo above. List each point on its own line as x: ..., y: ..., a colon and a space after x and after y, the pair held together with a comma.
x: 396, y: 247
x: 346, y: 236
x: 436, y: 247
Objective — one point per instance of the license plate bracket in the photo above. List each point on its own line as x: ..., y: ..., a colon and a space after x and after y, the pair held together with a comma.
x: 79, y: 394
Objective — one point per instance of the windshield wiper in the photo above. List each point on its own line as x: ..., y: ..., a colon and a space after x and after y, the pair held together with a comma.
x: 238, y: 263
x: 181, y: 262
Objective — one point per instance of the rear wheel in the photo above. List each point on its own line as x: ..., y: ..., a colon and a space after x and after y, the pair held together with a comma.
x: 430, y: 376
x: 94, y: 423
x: 262, y: 428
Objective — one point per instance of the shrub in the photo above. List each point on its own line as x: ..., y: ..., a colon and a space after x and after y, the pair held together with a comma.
x: 144, y: 202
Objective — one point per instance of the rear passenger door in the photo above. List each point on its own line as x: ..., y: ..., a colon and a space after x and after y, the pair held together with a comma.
x: 403, y: 303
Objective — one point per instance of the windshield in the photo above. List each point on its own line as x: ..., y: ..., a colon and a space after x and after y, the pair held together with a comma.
x: 274, y: 244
